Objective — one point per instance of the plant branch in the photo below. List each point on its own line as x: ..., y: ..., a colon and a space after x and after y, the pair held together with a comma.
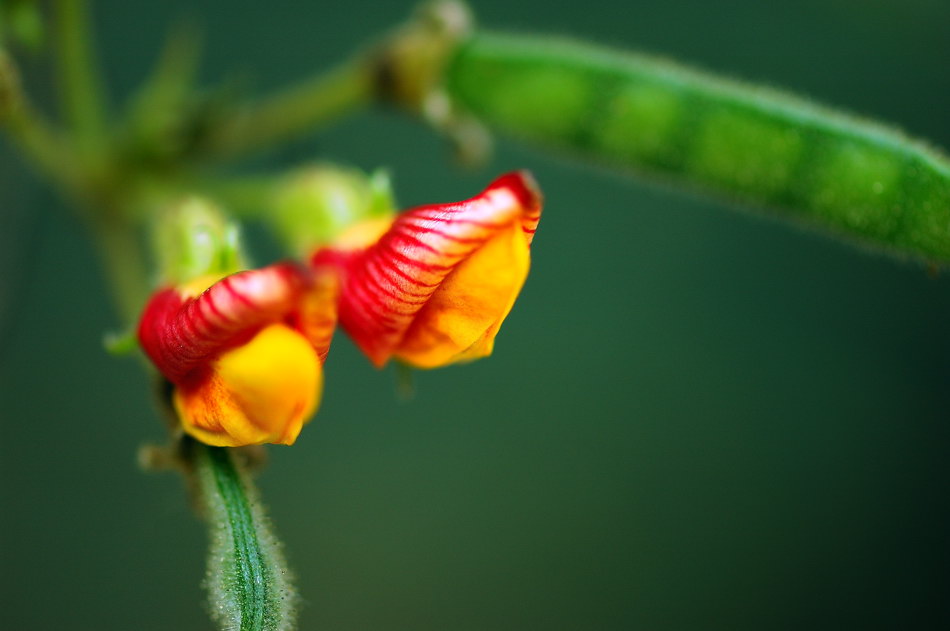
x: 80, y: 85
x: 124, y: 264
x: 247, y: 196
x: 309, y: 105
x: 398, y: 67
x: 29, y: 131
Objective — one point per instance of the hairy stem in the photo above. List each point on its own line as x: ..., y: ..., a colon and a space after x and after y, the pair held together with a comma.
x: 744, y: 142
x: 248, y: 581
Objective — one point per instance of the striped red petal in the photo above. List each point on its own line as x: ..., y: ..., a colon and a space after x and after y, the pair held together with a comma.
x: 316, y: 313
x: 182, y: 332
x: 387, y: 285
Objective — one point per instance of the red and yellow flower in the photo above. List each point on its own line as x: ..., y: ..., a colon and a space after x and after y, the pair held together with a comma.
x: 432, y: 286
x: 429, y: 287
x: 244, y: 352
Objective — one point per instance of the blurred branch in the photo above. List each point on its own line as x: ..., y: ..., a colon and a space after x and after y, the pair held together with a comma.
x: 28, y: 129
x: 124, y: 265
x: 152, y: 133
x: 399, y: 67
x: 21, y: 22
x: 80, y: 85
x: 306, y: 106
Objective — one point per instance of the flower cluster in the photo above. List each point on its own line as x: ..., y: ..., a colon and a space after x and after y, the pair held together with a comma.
x: 430, y: 287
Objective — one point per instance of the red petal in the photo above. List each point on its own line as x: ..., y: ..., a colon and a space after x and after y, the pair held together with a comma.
x: 181, y: 333
x: 316, y: 313
x: 387, y: 284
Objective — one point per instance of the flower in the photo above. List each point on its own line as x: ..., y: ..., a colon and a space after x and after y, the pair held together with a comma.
x: 432, y: 286
x: 244, y: 352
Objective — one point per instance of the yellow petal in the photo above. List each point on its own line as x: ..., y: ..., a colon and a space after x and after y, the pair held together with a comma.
x: 461, y: 319
x: 260, y: 392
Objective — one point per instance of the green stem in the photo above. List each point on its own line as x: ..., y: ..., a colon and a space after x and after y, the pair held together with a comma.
x: 124, y: 265
x: 247, y: 579
x: 755, y: 145
x: 30, y: 131
x: 314, y: 103
x: 245, y: 196
x: 80, y: 85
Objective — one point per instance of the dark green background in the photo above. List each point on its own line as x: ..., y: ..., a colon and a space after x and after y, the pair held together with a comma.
x: 695, y: 419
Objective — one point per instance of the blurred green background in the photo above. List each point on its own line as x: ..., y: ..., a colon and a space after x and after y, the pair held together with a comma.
x: 695, y: 418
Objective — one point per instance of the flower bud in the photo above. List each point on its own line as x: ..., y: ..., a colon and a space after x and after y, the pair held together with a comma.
x: 316, y: 204
x: 194, y: 239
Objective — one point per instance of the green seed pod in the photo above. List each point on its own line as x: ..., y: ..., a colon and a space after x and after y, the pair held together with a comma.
x: 747, y: 143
